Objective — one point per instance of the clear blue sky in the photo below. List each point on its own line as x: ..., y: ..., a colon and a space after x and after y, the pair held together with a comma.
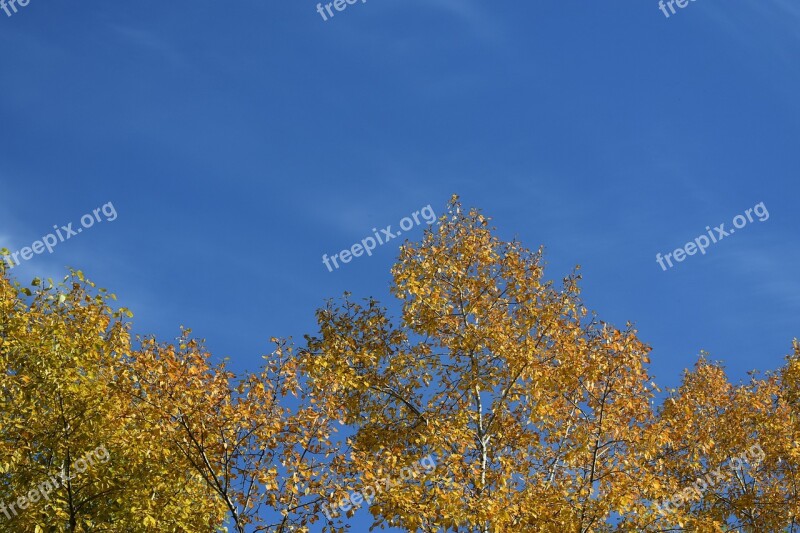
x: 239, y: 141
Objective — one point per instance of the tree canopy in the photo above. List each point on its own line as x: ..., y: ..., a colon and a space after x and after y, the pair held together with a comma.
x: 494, y: 401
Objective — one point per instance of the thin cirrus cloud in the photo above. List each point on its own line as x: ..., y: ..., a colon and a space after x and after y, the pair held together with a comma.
x: 766, y: 268
x: 782, y: 17
x: 148, y: 41
x: 480, y: 21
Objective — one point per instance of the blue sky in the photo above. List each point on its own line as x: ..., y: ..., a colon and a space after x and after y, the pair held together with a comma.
x: 240, y: 141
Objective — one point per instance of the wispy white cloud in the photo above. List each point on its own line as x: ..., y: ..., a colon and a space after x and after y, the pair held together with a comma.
x: 149, y: 41
x: 478, y: 19
x: 770, y: 26
x: 770, y: 268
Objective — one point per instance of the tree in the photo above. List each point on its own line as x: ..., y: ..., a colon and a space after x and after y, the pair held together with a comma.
x: 265, y: 459
x: 542, y: 416
x: 62, y: 352
x: 535, y: 407
x: 526, y: 411
x: 189, y: 446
